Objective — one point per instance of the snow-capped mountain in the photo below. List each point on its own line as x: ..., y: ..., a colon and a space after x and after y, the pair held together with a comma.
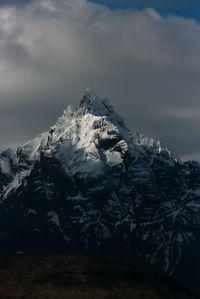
x: 90, y: 183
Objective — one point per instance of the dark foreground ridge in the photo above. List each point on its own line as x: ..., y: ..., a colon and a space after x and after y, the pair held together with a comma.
x: 82, y: 276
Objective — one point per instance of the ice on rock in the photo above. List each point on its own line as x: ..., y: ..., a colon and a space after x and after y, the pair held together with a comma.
x: 53, y: 217
x: 31, y: 149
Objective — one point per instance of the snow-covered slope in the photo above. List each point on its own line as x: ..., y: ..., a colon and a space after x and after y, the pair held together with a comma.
x: 92, y: 184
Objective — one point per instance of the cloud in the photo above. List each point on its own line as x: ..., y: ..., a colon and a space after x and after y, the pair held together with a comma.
x: 14, y: 2
x: 148, y: 65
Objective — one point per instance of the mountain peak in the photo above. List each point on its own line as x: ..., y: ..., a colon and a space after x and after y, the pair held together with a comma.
x: 88, y: 97
x: 91, y: 103
x: 89, y: 92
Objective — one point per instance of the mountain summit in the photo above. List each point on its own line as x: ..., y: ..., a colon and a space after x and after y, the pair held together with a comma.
x: 88, y: 98
x: 90, y: 183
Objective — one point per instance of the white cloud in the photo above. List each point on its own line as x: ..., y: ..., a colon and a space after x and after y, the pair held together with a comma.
x: 145, y: 63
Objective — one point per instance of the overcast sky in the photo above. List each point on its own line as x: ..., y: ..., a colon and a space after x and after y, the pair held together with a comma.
x: 145, y: 59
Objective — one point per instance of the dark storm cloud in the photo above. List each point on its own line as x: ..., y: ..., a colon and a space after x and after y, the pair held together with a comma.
x: 14, y: 2
x: 148, y: 65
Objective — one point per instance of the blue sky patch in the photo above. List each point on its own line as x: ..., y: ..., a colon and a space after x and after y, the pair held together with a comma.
x: 182, y: 8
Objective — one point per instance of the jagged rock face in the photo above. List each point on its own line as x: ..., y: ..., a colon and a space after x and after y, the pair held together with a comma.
x: 92, y: 184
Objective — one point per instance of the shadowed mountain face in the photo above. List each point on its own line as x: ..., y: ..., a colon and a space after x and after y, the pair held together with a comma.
x: 91, y: 184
